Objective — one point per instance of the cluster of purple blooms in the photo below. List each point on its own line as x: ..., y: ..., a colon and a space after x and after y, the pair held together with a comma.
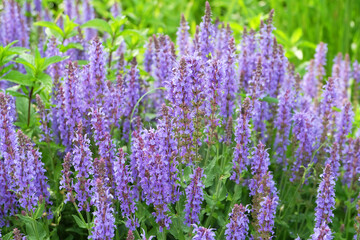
x: 205, y: 93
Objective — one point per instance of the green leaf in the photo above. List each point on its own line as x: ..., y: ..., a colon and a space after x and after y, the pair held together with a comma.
x: 18, y: 78
x: 39, y: 210
x: 69, y: 26
x: 98, y: 24
x: 71, y: 46
x: 336, y: 109
x: 52, y: 60
x: 79, y: 222
x: 7, y: 236
x: 295, y: 37
x: 51, y: 26
x: 269, y: 99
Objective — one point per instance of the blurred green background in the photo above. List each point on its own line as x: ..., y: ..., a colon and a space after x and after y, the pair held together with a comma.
x: 300, y: 24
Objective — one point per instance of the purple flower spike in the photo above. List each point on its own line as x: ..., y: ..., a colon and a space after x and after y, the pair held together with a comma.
x: 334, y: 159
x: 124, y: 192
x: 320, y: 61
x: 206, y: 34
x: 283, y: 124
x: 325, y: 202
x: 104, y: 215
x: 267, y: 215
x: 242, y: 139
x: 183, y: 38
x: 83, y: 165
x: 66, y: 182
x: 352, y: 162
x: 344, y: 125
x: 229, y: 85
x: 97, y: 86
x: 202, y: 233
x: 322, y: 233
x: 194, y: 197
x: 326, y: 107
x: 238, y: 227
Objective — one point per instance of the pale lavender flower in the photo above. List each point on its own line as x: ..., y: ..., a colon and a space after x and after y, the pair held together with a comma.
x: 304, y: 133
x: 320, y: 62
x: 194, y: 197
x: 229, y: 85
x: 238, y: 227
x: 83, y: 165
x: 322, y: 232
x: 325, y: 202
x: 183, y: 37
x: 46, y: 133
x: 206, y: 34
x: 104, y: 142
x: 66, y: 181
x: 124, y: 191
x: 242, y: 139
x: 104, y: 221
x: 283, y: 124
x: 202, y: 233
x: 247, y: 58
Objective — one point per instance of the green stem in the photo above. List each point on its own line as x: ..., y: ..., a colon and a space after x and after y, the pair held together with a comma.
x: 81, y: 217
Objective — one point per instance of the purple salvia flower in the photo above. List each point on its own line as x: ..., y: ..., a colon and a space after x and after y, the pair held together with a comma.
x: 278, y: 65
x: 25, y: 175
x: 46, y: 134
x: 104, y: 221
x: 56, y: 71
x: 20, y: 27
x: 7, y: 197
x: 335, y: 72
x: 72, y: 103
x: 257, y: 91
x: 168, y: 151
x: 124, y: 192
x: 61, y: 119
x: 247, y: 58
x: 345, y: 74
x: 229, y: 85
x: 82, y: 162
x: 154, y: 178
x: 88, y: 14
x: 260, y: 162
x: 115, y: 101
x: 320, y: 62
x: 327, y: 113
x: 130, y: 235
x: 133, y: 88
x: 66, y: 181
x: 222, y: 38
x: 352, y: 162
x: 9, y: 152
x: 238, y: 227
x: 195, y: 76
x: 325, y: 202
x: 322, y: 232
x: 310, y: 81
x: 143, y: 235
x: 137, y: 159
x: 304, y: 133
x: 163, y: 61
x: 202, y: 233
x: 266, y: 38
x: 33, y: 169
x: 356, y: 76
x: 344, y: 126
x: 242, y: 139
x: 194, y: 197
x: 182, y: 97
x: 103, y: 141
x: 283, y: 124
x: 267, y: 215
x: 70, y: 9
x: 206, y: 34
x: 149, y: 55
x: 115, y: 10
x: 334, y: 159
x: 183, y: 37
x: 98, y: 72
x: 214, y: 73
